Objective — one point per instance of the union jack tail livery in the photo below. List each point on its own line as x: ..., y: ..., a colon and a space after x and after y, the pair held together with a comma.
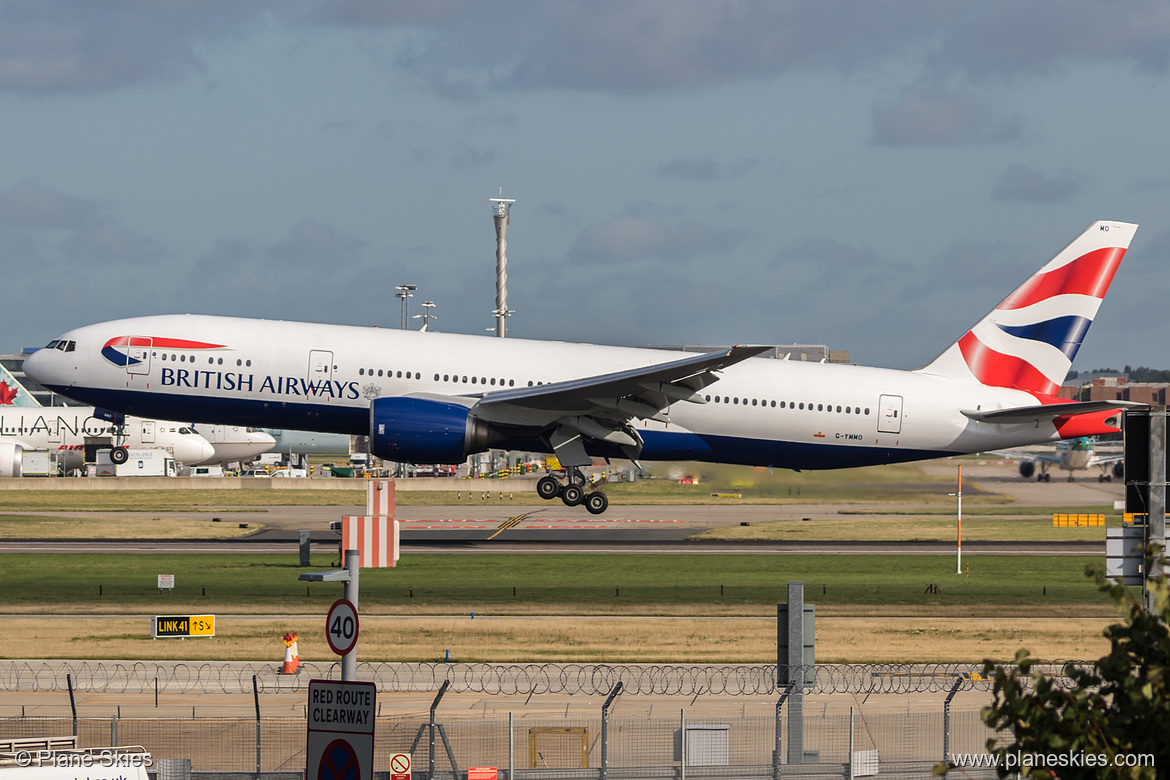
x: 1029, y: 341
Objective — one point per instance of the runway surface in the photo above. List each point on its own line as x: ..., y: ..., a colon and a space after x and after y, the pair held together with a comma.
x: 479, y: 526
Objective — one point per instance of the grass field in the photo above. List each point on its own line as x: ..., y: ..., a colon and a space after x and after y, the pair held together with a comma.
x: 636, y: 608
x: 990, y: 524
x: 562, y: 639
x: 703, y: 585
x: 894, y: 484
x: 21, y: 526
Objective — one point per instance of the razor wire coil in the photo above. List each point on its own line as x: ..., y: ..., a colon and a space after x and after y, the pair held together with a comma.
x: 138, y: 677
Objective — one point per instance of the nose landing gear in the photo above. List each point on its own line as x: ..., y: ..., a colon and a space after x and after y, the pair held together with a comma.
x: 572, y: 493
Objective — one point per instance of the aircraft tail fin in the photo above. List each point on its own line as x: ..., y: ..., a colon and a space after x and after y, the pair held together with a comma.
x: 12, y: 392
x: 1029, y: 341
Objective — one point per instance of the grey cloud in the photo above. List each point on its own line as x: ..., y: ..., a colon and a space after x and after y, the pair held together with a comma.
x: 642, y: 46
x: 54, y: 46
x: 94, y: 235
x: 707, y: 168
x: 1020, y: 182
x: 31, y: 205
x: 469, y: 157
x: 629, y: 239
x: 314, y: 246
x: 112, y: 243
x: 460, y: 48
x: 933, y: 117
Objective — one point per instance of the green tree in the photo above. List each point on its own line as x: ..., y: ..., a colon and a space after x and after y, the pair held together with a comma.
x: 1115, y: 708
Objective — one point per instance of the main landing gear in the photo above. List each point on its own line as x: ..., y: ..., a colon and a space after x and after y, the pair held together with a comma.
x: 572, y: 493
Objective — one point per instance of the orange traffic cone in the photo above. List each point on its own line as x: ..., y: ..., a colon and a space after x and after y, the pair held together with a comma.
x: 291, y: 661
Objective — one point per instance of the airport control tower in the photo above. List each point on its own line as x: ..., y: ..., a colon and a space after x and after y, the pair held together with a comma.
x: 500, y: 208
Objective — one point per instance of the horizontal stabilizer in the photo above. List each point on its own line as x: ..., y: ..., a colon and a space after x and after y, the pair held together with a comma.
x: 1026, y: 414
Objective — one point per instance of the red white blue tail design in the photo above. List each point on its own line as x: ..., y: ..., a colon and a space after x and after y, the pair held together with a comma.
x: 1029, y: 341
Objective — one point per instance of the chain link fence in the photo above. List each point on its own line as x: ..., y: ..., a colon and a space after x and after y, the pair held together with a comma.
x: 883, y: 740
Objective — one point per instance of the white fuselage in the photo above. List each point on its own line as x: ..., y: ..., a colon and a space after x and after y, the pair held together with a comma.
x: 323, y: 378
x: 67, y: 429
x: 235, y: 443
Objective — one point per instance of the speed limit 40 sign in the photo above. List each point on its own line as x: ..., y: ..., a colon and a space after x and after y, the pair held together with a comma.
x: 341, y: 627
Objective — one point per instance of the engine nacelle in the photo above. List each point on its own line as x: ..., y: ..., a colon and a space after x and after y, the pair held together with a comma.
x: 1027, y: 468
x: 11, y: 459
x: 1119, y: 469
x: 422, y: 430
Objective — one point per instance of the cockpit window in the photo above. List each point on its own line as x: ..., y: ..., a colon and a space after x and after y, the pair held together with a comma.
x: 185, y: 431
x: 52, y: 344
x: 70, y: 345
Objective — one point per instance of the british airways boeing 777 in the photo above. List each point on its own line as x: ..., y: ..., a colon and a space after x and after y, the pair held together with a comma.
x: 437, y: 398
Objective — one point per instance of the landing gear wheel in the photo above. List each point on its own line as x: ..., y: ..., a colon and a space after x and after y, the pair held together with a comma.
x: 572, y: 495
x: 596, y: 503
x: 119, y: 455
x: 547, y: 488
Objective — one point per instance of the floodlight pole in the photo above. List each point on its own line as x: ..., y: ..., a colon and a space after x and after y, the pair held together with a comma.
x: 405, y: 292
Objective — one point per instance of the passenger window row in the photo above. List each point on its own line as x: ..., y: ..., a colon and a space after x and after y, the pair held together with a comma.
x: 786, y: 404
x: 211, y: 361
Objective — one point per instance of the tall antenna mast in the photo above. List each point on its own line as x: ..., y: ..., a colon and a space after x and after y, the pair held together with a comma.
x: 500, y: 209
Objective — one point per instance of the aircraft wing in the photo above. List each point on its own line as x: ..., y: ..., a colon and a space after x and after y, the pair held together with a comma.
x: 1043, y: 412
x: 601, y: 407
x: 655, y: 387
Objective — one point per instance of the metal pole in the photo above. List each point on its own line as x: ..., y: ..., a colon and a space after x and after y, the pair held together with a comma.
x: 947, y: 719
x: 1156, y: 524
x: 349, y: 660
x: 796, y: 671
x: 959, y: 563
x: 605, y: 729
x: 682, y: 719
x: 73, y: 704
x: 850, y: 758
x: 511, y: 749
x: 256, y: 699
x: 431, y: 748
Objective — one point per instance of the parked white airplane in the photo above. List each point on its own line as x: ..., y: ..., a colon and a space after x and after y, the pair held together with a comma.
x: 235, y: 443
x: 438, y: 397
x: 26, y: 426
x: 1073, y: 455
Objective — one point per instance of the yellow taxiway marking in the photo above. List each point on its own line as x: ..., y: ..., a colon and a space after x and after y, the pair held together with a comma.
x: 511, y: 522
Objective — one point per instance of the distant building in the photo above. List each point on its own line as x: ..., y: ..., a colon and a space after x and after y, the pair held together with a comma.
x: 810, y: 353
x: 1117, y: 388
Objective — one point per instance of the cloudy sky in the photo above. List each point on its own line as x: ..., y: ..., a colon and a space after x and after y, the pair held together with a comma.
x: 871, y: 176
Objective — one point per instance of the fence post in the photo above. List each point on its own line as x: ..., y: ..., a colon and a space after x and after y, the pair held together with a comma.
x: 850, y: 757
x: 431, y: 748
x: 256, y: 699
x: 947, y: 718
x: 682, y: 718
x: 72, y: 703
x: 511, y: 749
x: 605, y: 730
x: 776, y: 752
x: 114, y: 731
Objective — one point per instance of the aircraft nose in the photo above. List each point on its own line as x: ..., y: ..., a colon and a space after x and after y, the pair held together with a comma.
x: 201, y: 452
x: 35, y: 367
